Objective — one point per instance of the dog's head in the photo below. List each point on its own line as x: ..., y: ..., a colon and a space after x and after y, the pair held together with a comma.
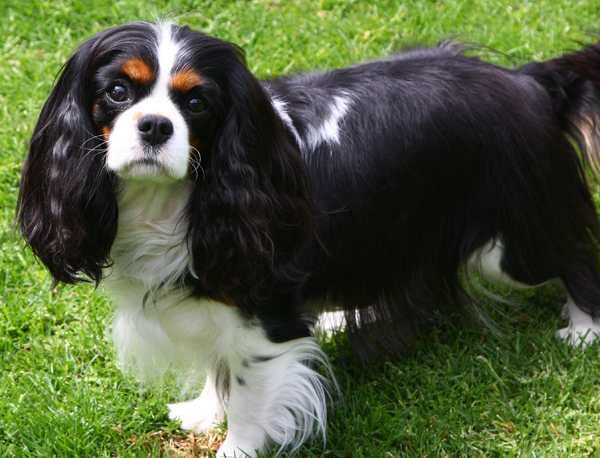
x: 156, y: 103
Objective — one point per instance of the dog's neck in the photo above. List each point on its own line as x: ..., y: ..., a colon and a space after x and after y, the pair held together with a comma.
x: 151, y: 245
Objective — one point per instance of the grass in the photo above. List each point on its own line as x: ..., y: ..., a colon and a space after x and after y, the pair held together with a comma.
x: 464, y: 392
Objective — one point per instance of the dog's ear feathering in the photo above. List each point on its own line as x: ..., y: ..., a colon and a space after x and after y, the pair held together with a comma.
x: 67, y: 211
x: 253, y: 210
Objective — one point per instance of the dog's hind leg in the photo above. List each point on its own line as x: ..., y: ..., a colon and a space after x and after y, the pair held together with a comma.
x: 582, y: 329
x: 579, y: 281
x: 582, y: 308
x: 487, y: 262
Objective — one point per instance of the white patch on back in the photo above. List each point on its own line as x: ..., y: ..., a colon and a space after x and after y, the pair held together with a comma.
x: 329, y: 130
x: 281, y: 109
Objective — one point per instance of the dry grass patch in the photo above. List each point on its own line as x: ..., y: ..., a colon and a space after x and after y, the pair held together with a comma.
x: 192, y: 445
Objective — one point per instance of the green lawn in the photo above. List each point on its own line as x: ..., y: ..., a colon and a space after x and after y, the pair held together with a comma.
x: 464, y: 393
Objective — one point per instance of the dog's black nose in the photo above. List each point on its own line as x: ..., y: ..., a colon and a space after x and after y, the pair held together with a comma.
x: 155, y: 129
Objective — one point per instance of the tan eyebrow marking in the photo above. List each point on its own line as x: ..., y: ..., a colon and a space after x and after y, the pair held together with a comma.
x: 138, y: 70
x: 185, y: 80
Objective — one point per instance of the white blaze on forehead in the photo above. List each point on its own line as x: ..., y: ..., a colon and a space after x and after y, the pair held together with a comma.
x: 167, y: 53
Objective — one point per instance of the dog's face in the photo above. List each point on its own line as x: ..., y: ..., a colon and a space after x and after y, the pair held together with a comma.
x: 162, y: 103
x: 154, y: 110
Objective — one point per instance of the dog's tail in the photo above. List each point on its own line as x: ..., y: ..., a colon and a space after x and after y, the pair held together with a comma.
x: 573, y: 82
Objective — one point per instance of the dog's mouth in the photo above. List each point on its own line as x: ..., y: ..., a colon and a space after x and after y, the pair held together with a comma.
x: 147, y: 168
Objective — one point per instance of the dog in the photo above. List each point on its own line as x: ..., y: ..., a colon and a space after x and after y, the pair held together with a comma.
x: 226, y: 213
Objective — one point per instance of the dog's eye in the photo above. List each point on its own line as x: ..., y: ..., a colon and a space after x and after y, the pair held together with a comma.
x: 118, y: 93
x: 196, y: 105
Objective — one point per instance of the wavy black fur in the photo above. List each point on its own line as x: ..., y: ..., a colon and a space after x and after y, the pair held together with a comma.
x: 406, y: 166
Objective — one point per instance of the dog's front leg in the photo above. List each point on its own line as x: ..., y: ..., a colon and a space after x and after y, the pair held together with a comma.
x: 203, y: 413
x: 276, y: 395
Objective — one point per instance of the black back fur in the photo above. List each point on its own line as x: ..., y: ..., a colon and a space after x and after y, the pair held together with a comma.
x: 405, y: 165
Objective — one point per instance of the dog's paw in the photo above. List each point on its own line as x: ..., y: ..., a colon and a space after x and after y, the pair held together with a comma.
x: 233, y: 449
x: 580, y: 335
x: 329, y: 323
x: 196, y: 415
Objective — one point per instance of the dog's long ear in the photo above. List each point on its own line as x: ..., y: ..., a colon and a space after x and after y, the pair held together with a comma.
x: 253, y: 210
x: 67, y: 209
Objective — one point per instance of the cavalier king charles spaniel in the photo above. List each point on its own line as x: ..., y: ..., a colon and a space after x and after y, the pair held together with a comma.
x: 226, y: 213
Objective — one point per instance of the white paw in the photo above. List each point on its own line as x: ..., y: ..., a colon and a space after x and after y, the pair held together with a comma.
x: 195, y: 415
x: 230, y: 454
x: 583, y: 330
x: 229, y: 449
x: 330, y: 322
x: 580, y: 335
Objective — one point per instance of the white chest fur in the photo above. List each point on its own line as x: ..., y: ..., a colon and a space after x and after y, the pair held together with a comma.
x: 151, y: 248
x: 269, y: 390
